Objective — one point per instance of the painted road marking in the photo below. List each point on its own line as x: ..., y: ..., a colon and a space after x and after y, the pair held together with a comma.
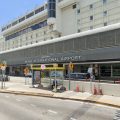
x: 18, y: 100
x: 72, y: 118
x: 7, y: 96
x: 33, y: 105
x: 51, y: 111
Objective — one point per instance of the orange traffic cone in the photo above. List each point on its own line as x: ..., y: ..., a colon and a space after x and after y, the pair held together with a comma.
x: 77, y: 88
x: 95, y: 90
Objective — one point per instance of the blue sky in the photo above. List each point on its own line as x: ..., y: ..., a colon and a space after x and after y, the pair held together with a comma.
x: 11, y: 9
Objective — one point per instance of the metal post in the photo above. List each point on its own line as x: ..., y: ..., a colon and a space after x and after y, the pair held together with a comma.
x: 2, y: 82
x: 69, y: 78
x: 25, y: 79
x: 55, y: 81
x: 90, y: 84
x: 32, y: 78
x: 50, y: 77
x: 3, y: 79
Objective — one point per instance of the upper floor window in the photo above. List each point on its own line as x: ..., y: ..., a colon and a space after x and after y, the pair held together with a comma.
x: 14, y: 23
x: 91, y: 6
x: 104, y: 1
x: 74, y: 6
x: 78, y: 11
x: 30, y: 14
x: 4, y: 28
x: 9, y: 26
x: 91, y: 17
x: 21, y: 19
x: 104, y: 13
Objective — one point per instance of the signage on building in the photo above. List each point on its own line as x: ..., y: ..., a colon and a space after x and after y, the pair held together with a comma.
x: 54, y: 59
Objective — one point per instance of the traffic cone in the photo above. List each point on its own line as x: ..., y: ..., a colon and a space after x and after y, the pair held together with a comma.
x: 95, y: 90
x: 77, y: 88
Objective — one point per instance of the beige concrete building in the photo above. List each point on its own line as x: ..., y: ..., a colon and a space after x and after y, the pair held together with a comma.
x: 59, y: 18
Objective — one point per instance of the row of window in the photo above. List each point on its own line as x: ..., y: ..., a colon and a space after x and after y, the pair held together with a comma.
x: 91, y: 27
x: 91, y: 17
x: 25, y: 17
x: 90, y: 6
x: 99, y: 40
x: 31, y: 28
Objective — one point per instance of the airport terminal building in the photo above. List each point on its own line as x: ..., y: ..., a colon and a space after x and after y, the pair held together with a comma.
x: 64, y: 31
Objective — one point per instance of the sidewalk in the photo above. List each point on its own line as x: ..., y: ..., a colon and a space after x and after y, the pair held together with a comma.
x: 19, y: 87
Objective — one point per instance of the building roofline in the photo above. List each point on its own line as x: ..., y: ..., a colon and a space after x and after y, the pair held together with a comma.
x: 24, y: 14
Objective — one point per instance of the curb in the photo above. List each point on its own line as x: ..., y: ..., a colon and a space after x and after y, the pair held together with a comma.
x: 26, y: 93
x: 52, y: 96
x: 89, y: 101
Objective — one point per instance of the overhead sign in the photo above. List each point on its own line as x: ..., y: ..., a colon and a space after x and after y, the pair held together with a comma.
x: 55, y: 59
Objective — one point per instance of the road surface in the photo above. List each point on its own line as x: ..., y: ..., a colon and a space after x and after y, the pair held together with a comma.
x: 18, y: 107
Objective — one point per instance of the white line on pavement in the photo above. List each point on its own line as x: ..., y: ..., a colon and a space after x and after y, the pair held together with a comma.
x: 7, y: 96
x: 51, y: 111
x: 18, y: 100
x: 72, y: 118
x: 33, y: 105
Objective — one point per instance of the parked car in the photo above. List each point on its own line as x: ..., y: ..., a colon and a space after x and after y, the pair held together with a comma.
x: 76, y: 76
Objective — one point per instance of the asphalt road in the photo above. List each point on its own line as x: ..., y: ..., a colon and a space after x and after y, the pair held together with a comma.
x: 17, y: 107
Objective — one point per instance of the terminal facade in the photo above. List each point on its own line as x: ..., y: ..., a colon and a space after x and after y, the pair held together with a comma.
x: 64, y: 31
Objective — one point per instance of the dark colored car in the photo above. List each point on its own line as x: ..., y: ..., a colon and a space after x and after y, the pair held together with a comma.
x: 76, y: 76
